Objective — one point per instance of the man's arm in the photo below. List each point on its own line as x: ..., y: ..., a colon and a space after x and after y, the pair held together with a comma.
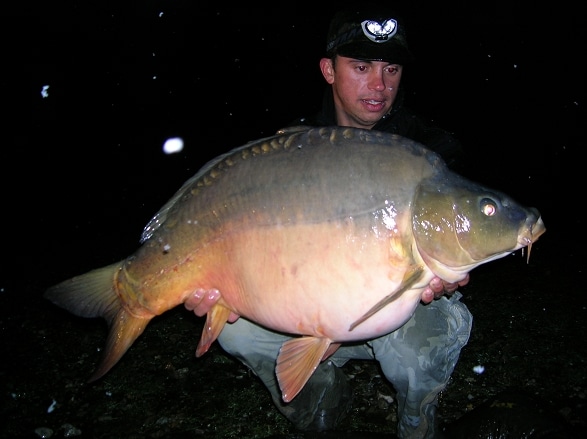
x: 201, y: 301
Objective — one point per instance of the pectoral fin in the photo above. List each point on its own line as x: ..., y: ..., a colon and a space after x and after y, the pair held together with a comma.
x: 297, y: 361
x: 215, y: 321
x: 409, y: 279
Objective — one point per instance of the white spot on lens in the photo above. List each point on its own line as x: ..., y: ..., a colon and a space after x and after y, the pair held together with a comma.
x: 173, y: 145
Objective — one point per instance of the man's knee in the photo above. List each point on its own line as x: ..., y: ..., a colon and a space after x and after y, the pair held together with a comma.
x: 456, y: 320
x: 445, y: 323
x: 236, y: 338
x: 252, y: 344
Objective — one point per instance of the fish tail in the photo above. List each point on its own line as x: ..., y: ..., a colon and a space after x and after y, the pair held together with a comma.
x: 93, y: 294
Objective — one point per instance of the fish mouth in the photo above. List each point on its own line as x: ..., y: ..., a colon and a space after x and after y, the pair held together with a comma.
x: 531, y: 235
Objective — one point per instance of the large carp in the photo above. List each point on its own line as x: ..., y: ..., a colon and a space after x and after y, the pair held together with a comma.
x: 329, y: 234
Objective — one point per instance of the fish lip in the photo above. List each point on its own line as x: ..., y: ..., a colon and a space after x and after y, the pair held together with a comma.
x: 532, y: 232
x: 531, y: 235
x: 537, y: 230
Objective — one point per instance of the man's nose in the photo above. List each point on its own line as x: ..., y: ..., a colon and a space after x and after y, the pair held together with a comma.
x: 376, y: 82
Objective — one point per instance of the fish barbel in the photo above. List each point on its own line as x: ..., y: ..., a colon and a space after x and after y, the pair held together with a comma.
x: 329, y: 234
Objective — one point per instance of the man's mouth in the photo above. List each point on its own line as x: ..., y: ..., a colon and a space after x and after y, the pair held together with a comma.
x: 374, y: 105
x: 373, y: 102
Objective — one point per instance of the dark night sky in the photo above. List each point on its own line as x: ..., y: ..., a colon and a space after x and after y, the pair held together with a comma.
x: 506, y: 78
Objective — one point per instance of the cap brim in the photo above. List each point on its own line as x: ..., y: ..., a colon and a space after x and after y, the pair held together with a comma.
x: 392, y: 53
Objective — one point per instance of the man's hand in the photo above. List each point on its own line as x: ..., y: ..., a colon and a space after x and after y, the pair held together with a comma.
x: 438, y: 288
x: 202, y: 301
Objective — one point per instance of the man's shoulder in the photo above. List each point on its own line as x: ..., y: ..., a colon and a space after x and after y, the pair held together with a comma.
x: 409, y: 124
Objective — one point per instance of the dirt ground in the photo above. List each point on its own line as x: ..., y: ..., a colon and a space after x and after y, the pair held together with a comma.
x: 525, y: 336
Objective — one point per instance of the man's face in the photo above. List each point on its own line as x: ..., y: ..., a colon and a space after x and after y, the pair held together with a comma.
x: 364, y: 91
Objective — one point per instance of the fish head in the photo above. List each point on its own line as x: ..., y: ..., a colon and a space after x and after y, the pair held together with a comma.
x: 459, y: 224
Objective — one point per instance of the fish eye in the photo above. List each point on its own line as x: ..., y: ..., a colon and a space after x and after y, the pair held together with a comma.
x: 488, y: 207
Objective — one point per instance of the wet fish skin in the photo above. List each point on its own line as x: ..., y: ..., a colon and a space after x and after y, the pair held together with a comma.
x: 327, y: 233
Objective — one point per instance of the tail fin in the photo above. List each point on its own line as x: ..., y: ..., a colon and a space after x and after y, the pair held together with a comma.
x: 93, y: 294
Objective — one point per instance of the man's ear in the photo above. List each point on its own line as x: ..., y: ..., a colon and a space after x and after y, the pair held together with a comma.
x: 327, y: 69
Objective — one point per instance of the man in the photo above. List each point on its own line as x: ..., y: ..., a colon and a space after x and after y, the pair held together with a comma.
x: 365, y: 55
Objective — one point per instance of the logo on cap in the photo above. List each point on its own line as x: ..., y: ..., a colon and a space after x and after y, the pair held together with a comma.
x: 379, y: 32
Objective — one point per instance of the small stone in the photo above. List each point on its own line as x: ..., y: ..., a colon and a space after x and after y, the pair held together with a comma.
x: 70, y: 431
x: 43, y: 432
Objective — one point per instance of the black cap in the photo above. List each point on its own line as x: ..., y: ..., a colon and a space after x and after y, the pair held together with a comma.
x: 369, y: 35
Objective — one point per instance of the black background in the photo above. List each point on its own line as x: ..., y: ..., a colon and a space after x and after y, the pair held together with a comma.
x: 507, y: 78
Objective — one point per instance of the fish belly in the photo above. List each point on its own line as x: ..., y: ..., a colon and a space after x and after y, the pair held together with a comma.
x: 315, y: 279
